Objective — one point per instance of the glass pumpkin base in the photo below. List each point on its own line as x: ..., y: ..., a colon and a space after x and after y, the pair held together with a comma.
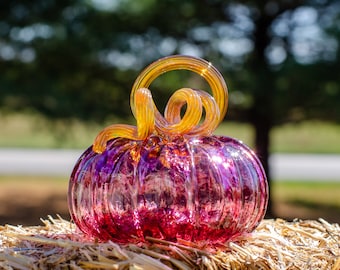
x: 156, y: 224
x: 200, y: 189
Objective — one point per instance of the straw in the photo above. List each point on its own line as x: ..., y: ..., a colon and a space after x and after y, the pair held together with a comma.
x: 275, y: 244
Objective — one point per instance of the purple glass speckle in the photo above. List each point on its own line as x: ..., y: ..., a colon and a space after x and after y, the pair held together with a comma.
x: 200, y: 189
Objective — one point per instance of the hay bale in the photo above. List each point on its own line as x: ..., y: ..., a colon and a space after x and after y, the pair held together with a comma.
x: 275, y: 244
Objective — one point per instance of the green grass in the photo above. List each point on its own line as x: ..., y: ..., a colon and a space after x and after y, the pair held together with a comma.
x: 307, y: 137
x: 241, y: 131
x: 304, y: 137
x: 19, y: 130
x: 34, y: 131
x: 36, y: 184
x: 307, y: 192
x: 32, y: 179
x: 306, y: 200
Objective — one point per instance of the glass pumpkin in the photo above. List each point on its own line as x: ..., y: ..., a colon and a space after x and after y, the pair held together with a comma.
x: 169, y: 177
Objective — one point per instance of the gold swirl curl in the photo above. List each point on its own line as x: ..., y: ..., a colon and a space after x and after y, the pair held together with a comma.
x: 150, y: 120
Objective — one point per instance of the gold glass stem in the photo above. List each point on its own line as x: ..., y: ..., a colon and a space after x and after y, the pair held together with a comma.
x: 149, y: 119
x: 203, y: 68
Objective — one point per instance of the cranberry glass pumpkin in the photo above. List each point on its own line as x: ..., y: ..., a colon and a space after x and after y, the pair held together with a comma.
x: 169, y: 178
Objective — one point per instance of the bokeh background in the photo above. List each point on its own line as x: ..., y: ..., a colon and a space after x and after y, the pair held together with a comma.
x: 67, y: 67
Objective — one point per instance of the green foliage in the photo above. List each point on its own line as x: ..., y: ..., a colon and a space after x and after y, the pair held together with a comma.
x: 79, y: 59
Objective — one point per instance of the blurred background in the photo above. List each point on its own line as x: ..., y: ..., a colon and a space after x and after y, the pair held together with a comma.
x: 67, y: 68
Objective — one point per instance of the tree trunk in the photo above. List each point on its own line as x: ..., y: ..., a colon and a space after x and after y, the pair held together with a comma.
x: 262, y: 119
x: 262, y: 125
x: 262, y: 113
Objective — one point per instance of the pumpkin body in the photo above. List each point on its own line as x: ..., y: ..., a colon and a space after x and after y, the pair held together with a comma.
x: 197, y: 188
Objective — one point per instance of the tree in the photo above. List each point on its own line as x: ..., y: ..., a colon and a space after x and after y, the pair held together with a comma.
x: 280, y: 57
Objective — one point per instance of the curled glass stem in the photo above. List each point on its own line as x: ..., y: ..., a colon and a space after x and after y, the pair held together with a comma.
x: 145, y: 118
x: 174, y: 124
x: 150, y: 120
x: 113, y: 131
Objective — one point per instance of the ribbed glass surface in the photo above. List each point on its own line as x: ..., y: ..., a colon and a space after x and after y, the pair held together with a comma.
x: 201, y: 189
